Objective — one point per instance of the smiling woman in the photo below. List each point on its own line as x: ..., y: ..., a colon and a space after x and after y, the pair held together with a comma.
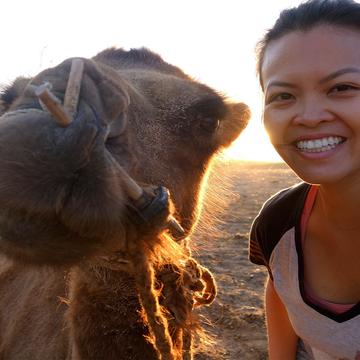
x: 304, y: 102
x: 308, y: 235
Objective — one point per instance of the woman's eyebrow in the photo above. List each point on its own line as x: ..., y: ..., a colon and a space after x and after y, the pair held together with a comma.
x: 280, y: 83
x: 335, y: 74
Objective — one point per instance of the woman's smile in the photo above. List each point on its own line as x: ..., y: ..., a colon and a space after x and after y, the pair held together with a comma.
x: 319, y: 145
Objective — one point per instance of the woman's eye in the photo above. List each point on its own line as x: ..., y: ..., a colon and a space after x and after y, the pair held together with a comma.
x: 281, y: 97
x: 342, y: 88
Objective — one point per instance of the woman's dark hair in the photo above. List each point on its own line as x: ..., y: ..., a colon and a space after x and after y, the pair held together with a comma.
x: 343, y: 13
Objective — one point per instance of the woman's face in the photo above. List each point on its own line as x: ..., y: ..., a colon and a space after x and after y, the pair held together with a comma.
x: 312, y: 102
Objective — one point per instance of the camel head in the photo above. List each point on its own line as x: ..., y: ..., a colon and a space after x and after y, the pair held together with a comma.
x: 62, y: 191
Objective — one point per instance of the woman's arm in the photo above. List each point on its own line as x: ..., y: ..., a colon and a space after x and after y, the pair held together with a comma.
x: 281, y: 336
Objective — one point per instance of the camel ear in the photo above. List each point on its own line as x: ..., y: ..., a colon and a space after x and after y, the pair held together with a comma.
x: 112, y: 89
x: 11, y: 93
x: 235, y: 121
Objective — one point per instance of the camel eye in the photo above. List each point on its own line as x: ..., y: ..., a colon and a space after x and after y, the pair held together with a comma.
x: 209, y: 124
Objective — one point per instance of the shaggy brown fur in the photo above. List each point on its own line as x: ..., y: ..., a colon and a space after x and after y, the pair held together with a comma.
x: 63, y: 208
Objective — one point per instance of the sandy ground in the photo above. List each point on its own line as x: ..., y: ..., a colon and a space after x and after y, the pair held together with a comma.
x: 235, y: 194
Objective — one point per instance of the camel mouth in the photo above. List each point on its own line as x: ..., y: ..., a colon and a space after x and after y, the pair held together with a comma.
x: 54, y: 204
x: 63, y: 195
x: 49, y: 239
x: 39, y: 240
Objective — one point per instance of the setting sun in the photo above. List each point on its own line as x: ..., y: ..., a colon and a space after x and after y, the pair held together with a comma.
x: 253, y: 145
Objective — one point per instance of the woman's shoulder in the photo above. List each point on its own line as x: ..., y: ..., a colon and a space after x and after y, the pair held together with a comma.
x: 286, y: 202
x: 279, y: 213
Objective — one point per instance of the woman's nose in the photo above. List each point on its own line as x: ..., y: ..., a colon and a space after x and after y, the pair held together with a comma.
x: 311, y: 112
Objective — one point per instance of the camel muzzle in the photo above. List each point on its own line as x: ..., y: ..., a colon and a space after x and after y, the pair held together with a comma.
x: 149, y: 207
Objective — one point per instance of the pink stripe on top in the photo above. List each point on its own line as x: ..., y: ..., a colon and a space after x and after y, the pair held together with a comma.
x: 309, y: 294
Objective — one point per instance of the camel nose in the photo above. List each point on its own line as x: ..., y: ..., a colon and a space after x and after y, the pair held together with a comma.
x: 63, y: 113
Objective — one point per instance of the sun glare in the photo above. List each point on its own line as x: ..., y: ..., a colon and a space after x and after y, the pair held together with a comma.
x: 252, y: 145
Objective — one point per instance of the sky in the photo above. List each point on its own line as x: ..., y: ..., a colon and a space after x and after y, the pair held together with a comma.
x: 211, y: 40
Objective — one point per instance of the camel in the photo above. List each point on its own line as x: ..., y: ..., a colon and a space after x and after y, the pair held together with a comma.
x: 100, y: 189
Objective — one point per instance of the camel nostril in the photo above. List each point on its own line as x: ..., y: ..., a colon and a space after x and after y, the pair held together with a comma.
x: 117, y: 127
x: 52, y: 104
x: 63, y: 113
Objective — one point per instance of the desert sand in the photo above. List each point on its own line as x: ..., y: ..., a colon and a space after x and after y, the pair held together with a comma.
x: 234, y: 195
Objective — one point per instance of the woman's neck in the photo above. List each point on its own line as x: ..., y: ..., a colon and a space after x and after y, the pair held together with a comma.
x: 339, y: 205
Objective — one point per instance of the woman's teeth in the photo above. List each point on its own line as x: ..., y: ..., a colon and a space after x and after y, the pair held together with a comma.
x: 319, y: 145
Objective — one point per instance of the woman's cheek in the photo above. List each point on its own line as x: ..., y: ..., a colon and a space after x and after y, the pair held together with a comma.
x: 272, y: 126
